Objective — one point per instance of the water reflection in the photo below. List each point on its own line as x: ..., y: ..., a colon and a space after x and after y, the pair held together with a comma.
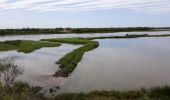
x: 122, y: 64
x: 40, y: 65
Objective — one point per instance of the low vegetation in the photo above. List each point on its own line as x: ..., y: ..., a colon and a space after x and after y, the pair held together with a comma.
x: 129, y: 36
x: 25, y: 46
x: 27, y: 31
x: 10, y: 88
x: 30, y: 31
x: 69, y: 62
x: 8, y: 73
x: 17, y: 90
x: 68, y: 40
x: 158, y: 93
x: 107, y: 30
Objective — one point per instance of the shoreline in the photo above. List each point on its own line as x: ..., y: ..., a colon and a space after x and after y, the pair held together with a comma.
x: 69, y: 63
x: 39, y: 31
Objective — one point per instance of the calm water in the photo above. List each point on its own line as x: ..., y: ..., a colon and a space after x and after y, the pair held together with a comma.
x: 122, y: 64
x: 38, y: 66
x: 38, y: 37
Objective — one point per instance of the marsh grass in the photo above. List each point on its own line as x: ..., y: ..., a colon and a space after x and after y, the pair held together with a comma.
x: 8, y: 74
x: 22, y: 91
x: 25, y: 46
x: 68, y: 40
x: 129, y: 36
x: 157, y: 93
x: 69, y: 62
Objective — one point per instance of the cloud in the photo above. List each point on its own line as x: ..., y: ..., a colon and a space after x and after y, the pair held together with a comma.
x: 153, y: 6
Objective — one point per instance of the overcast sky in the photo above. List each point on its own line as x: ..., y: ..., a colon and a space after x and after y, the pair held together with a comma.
x: 83, y: 13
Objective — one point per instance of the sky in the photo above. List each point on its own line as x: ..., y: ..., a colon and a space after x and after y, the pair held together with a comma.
x: 84, y: 13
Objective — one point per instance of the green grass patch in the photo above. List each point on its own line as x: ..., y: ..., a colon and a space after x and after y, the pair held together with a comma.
x: 69, y: 62
x: 25, y: 46
x: 158, y: 93
x: 22, y: 91
x: 68, y: 40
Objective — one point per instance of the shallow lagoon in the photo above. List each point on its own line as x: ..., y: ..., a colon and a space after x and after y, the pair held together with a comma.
x: 122, y: 64
x: 39, y: 66
x: 48, y: 36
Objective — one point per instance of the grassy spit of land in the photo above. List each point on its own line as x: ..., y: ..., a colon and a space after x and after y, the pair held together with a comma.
x: 69, y: 62
x: 35, y: 31
x: 25, y: 46
x: 22, y: 91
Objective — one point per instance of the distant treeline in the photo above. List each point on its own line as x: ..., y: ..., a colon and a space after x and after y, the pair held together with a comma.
x: 29, y: 31
x: 105, y: 30
x: 73, y: 30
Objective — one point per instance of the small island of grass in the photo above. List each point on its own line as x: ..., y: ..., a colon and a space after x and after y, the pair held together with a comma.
x: 67, y: 65
x: 69, y: 62
x: 25, y: 46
